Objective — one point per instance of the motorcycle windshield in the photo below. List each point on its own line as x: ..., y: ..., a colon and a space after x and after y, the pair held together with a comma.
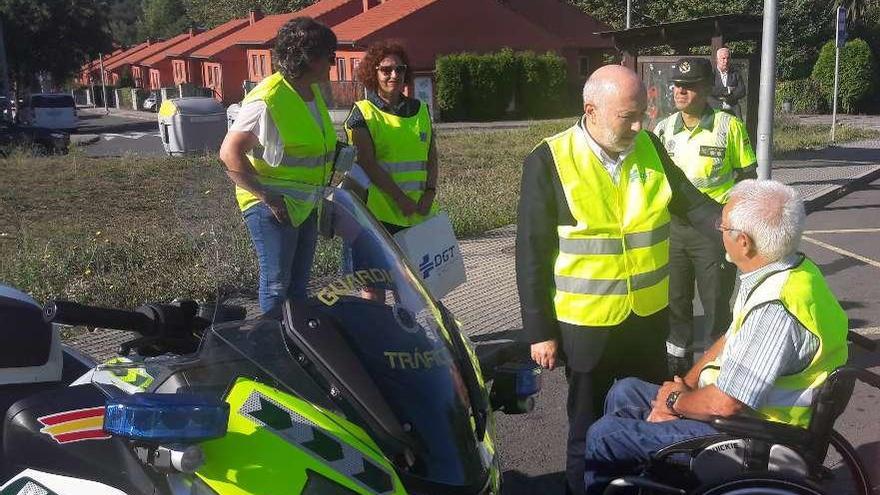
x: 366, y: 337
x: 363, y: 340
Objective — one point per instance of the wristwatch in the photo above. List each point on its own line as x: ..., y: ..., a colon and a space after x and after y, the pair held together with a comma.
x: 670, y: 402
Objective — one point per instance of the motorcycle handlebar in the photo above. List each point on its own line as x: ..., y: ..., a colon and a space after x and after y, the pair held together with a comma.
x: 71, y: 313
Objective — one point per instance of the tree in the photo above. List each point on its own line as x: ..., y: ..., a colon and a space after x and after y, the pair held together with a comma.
x: 54, y: 37
x: 124, y: 16
x: 210, y: 13
x: 857, y: 78
x: 803, y: 24
x: 163, y: 19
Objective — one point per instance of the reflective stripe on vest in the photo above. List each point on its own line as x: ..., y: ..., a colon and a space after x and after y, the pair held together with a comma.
x: 308, y: 148
x: 401, y: 147
x: 805, y: 295
x: 710, y: 174
x: 614, y: 260
x: 294, y: 161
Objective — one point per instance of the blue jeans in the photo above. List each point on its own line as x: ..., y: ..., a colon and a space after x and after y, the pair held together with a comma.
x: 285, y: 254
x: 622, y: 440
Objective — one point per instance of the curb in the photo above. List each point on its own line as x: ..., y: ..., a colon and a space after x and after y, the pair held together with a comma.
x: 834, y: 192
x: 84, y: 139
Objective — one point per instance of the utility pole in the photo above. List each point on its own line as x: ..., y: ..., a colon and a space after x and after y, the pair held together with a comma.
x: 4, y: 72
x: 103, y: 84
x: 628, y: 13
x: 767, y: 90
x: 839, y: 40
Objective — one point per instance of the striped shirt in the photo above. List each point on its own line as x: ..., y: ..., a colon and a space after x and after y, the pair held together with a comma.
x: 771, y: 343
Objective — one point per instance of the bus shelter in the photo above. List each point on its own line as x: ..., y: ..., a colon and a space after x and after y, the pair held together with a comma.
x: 715, y: 31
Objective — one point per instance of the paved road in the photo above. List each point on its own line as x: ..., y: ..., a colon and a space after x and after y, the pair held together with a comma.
x: 120, y: 134
x: 844, y: 239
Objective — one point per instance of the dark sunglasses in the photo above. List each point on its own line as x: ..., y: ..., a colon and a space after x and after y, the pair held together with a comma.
x: 388, y: 69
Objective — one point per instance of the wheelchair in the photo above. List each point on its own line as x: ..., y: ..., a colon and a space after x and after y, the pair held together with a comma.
x: 751, y: 455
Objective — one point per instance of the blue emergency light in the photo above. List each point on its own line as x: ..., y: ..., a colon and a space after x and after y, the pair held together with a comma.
x: 166, y: 418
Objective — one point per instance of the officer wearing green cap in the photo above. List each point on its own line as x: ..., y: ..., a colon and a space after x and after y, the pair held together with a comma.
x: 713, y: 150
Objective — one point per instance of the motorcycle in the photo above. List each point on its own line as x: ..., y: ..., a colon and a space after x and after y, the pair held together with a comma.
x: 336, y: 395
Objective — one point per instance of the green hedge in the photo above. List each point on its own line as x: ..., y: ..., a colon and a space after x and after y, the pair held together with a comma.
x: 482, y: 87
x: 805, y: 96
x: 124, y: 96
x: 858, y: 76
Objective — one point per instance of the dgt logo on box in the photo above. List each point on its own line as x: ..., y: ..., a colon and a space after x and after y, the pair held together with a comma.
x: 430, y: 262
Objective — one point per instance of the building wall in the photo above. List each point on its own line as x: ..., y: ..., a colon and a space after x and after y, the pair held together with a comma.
x: 225, y: 73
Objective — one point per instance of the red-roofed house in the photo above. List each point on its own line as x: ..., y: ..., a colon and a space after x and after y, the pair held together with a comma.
x: 430, y: 28
x: 246, y: 54
x: 127, y: 62
x: 582, y: 48
x: 112, y: 77
x: 187, y: 70
x: 152, y: 66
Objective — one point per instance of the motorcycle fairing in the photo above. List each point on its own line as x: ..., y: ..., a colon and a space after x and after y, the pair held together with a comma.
x: 31, y: 481
x: 278, y: 443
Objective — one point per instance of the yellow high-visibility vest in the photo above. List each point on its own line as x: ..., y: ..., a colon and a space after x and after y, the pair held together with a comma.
x: 803, y: 292
x: 710, y: 153
x: 401, y: 145
x: 307, y: 163
x: 615, y: 259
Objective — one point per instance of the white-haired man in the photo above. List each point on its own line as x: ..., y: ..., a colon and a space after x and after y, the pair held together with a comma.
x: 592, y: 249
x: 788, y: 332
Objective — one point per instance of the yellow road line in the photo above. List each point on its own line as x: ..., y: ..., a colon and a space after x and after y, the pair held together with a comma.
x: 869, y: 261
x: 843, y: 231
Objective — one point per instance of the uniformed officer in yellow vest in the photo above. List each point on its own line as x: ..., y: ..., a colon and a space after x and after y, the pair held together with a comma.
x: 713, y: 150
x: 279, y: 152
x: 394, y: 138
x: 592, y: 249
x: 788, y: 334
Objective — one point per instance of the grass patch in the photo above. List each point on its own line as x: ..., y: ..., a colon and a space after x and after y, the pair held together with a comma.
x: 122, y: 231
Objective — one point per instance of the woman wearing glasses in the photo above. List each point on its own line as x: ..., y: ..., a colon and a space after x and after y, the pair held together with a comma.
x: 277, y: 152
x: 395, y: 145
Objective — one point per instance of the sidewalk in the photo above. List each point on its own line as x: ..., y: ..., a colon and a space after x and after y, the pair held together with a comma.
x: 488, y: 303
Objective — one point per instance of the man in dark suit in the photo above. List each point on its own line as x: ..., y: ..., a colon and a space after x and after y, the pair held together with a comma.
x: 729, y: 85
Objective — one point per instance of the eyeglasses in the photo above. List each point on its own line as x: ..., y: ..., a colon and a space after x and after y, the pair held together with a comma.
x: 388, y: 69
x: 722, y: 228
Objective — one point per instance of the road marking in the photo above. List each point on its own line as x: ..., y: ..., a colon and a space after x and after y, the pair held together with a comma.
x: 108, y: 136
x: 867, y: 330
x: 869, y: 261
x: 843, y: 231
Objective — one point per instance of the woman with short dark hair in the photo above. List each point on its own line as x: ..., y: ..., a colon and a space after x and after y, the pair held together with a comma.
x: 279, y: 152
x: 395, y: 144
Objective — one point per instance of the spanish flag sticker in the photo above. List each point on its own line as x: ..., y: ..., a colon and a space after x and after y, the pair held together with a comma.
x: 76, y: 425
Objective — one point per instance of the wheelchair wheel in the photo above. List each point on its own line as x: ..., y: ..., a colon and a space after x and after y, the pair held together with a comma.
x: 760, y: 485
x: 843, y: 472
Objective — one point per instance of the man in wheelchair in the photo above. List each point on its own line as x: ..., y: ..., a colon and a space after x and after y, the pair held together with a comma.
x: 788, y: 334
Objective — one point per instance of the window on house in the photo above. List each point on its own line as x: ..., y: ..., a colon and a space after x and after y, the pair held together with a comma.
x: 584, y: 66
x: 340, y: 69
x: 263, y: 71
x: 355, y: 62
x: 216, y: 76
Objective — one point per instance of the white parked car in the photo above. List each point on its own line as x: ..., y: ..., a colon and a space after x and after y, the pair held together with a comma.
x: 151, y: 103
x: 49, y: 110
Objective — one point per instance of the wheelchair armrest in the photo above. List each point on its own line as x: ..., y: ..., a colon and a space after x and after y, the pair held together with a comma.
x: 761, y: 429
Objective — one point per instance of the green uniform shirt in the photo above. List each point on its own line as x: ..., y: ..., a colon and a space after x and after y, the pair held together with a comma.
x: 711, y: 153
